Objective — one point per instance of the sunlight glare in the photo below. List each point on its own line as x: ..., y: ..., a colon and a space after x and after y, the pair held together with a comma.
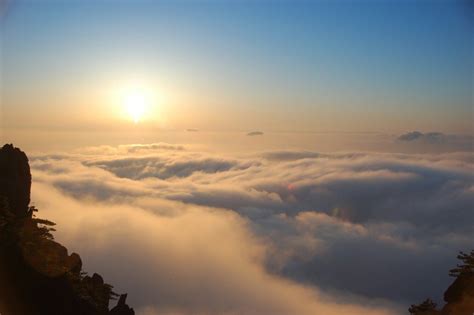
x: 136, y: 104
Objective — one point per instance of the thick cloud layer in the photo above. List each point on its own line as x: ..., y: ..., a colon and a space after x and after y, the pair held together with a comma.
x: 287, y: 232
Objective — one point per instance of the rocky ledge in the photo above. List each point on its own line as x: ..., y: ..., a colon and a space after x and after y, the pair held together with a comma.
x: 37, y: 275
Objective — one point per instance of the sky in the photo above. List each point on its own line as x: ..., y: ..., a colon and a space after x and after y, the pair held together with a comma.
x: 279, y: 66
x: 249, y: 157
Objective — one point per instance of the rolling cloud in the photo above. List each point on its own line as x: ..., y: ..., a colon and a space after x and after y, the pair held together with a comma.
x: 302, y: 227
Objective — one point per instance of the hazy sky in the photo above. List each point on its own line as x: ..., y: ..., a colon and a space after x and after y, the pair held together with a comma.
x: 243, y: 65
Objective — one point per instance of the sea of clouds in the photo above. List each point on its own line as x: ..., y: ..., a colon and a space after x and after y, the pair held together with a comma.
x: 278, y: 232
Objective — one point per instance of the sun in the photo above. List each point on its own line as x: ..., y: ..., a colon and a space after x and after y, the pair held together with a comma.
x: 136, y: 104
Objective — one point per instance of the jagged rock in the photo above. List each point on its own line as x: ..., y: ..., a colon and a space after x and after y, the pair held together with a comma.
x: 459, y: 296
x: 463, y: 285
x: 122, y: 308
x: 37, y: 275
x: 50, y: 258
x: 15, y: 179
x: 74, y: 263
x: 98, y: 290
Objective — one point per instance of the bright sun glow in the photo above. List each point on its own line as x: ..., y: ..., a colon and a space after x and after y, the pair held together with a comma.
x: 136, y: 105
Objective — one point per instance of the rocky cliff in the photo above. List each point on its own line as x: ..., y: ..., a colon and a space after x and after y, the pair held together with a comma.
x: 37, y: 275
x: 459, y: 296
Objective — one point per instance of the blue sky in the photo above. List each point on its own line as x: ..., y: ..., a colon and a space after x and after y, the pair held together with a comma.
x: 386, y: 60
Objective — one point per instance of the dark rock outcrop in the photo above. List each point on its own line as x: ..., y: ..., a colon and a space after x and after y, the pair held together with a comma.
x: 122, y: 308
x: 459, y: 296
x: 15, y: 179
x: 37, y: 275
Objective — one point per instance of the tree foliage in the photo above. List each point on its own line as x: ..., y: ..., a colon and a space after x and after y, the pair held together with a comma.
x: 427, y: 307
x: 466, y: 267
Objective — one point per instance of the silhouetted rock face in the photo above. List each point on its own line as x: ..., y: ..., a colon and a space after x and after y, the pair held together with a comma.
x: 122, y: 308
x: 15, y: 179
x: 37, y: 275
x: 459, y: 296
x: 463, y: 285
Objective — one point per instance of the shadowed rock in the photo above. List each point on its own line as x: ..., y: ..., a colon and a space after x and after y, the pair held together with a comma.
x: 459, y: 296
x: 37, y: 275
x: 122, y: 308
x: 15, y: 179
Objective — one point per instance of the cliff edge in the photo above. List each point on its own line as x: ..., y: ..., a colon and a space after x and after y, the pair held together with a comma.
x: 37, y: 275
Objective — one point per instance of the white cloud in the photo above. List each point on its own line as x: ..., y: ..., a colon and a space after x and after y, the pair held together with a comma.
x: 197, y: 261
x: 305, y: 225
